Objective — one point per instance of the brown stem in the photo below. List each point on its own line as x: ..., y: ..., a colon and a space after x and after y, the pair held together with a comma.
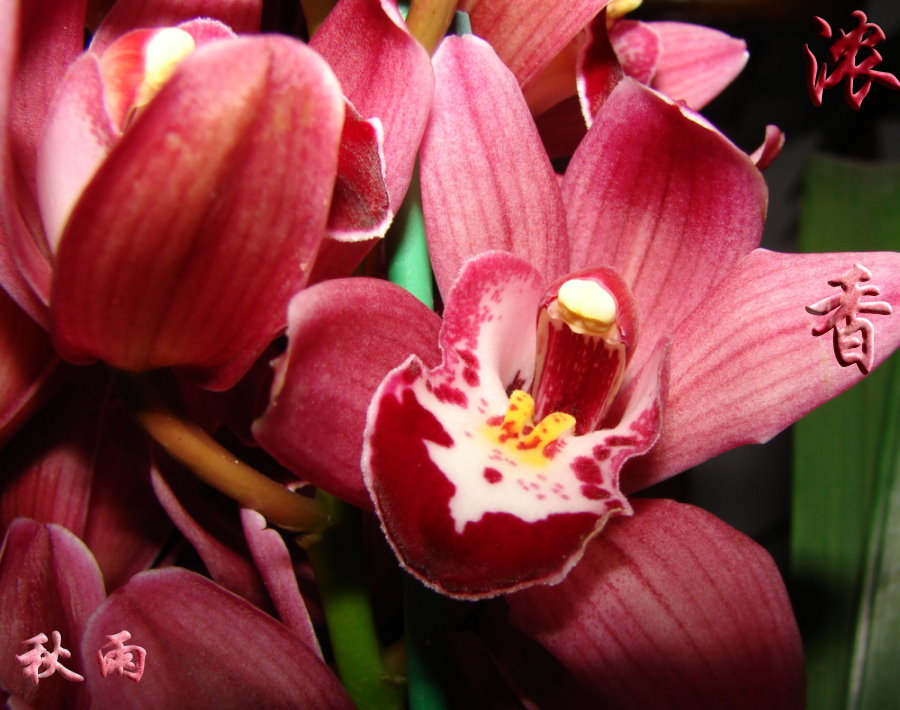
x: 214, y: 464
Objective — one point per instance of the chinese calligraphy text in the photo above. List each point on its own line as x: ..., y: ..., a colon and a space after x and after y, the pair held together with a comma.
x: 842, y: 59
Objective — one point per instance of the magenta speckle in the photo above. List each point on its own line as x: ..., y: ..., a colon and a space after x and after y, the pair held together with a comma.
x: 587, y: 470
x: 492, y: 475
x: 471, y: 377
x: 601, y: 453
x: 594, y: 493
x: 621, y: 441
x: 451, y: 395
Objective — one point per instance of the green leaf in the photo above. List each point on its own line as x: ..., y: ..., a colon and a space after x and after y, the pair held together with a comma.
x: 846, y: 510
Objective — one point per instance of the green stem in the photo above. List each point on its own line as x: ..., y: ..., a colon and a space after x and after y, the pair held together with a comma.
x: 339, y: 569
x: 212, y: 463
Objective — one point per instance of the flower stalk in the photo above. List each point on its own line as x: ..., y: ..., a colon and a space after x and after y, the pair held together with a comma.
x: 214, y: 464
x: 429, y: 20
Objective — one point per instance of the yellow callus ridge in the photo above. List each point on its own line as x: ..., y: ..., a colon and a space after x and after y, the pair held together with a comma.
x: 161, y: 56
x: 619, y: 8
x: 517, y: 434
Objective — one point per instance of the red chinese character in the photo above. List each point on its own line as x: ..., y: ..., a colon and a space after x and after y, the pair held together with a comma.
x: 854, y: 337
x: 40, y: 656
x: 842, y: 57
x: 121, y: 658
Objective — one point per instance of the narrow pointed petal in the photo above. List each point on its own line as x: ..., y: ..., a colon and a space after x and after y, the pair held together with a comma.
x: 205, y: 648
x: 770, y: 148
x: 672, y: 608
x: 223, y: 552
x: 396, y: 87
x: 48, y: 582
x: 746, y: 363
x: 486, y: 181
x: 527, y: 35
x: 474, y: 508
x: 242, y: 16
x: 660, y: 196
x: 28, y: 364
x: 187, y: 245
x: 273, y: 561
x: 696, y: 62
x: 343, y: 338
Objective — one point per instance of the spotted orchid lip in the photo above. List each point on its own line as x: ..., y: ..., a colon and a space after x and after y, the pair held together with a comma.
x: 475, y: 502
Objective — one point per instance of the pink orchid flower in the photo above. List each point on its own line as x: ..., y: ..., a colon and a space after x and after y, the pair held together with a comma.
x: 140, y: 173
x: 725, y: 352
x: 204, y: 646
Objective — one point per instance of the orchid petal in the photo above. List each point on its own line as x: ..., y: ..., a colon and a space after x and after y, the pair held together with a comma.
x: 396, y: 87
x: 342, y: 340
x: 670, y: 204
x: 223, y: 552
x: 467, y: 511
x: 273, y: 561
x: 637, y: 47
x: 672, y: 608
x: 746, y: 364
x: 696, y: 62
x: 527, y: 35
x: 205, y: 648
x: 598, y: 68
x: 78, y: 137
x: 770, y: 148
x: 44, y: 38
x: 242, y: 16
x: 187, y: 245
x: 48, y: 582
x: 486, y: 181
x: 28, y: 364
x: 360, y: 207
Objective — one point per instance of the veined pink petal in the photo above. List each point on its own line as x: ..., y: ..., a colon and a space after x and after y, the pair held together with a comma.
x: 527, y: 35
x: 397, y: 85
x: 242, y: 16
x: 696, y: 62
x: 28, y: 362
x: 78, y: 137
x: 48, y: 582
x: 665, y: 200
x: 672, y: 608
x: 205, y: 647
x: 273, y: 561
x: 187, y: 245
x: 472, y: 507
x: 746, y: 364
x: 343, y: 338
x: 486, y: 181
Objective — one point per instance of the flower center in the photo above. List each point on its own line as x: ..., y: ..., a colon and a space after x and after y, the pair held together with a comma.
x: 137, y: 65
x: 521, y: 438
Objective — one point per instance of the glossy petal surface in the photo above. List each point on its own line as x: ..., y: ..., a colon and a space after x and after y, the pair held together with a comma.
x: 205, y: 648
x: 188, y: 243
x: 672, y: 608
x: 486, y: 180
x: 342, y: 340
